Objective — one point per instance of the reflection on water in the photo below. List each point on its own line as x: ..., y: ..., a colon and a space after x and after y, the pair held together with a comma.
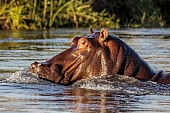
x: 49, y: 98
x: 55, y: 98
x: 18, y: 49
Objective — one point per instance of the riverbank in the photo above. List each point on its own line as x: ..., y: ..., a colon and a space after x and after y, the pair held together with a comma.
x: 48, y: 14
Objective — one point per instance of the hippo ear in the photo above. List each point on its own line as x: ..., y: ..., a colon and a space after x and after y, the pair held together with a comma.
x: 74, y: 41
x: 91, y: 30
x: 103, y: 35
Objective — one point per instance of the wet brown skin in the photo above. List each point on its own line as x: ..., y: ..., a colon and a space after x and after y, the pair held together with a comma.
x: 95, y: 55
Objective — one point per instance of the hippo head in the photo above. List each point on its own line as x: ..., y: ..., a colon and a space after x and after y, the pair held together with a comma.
x: 87, y: 56
x: 96, y: 54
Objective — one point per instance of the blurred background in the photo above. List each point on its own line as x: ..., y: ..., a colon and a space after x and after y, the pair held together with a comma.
x: 44, y: 14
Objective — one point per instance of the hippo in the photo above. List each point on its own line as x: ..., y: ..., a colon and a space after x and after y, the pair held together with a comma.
x: 97, y: 54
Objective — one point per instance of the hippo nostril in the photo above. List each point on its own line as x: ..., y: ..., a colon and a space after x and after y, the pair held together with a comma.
x: 32, y: 67
x: 39, y: 64
x: 35, y: 62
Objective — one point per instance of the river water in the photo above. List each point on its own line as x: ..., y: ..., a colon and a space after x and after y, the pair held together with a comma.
x: 18, y: 49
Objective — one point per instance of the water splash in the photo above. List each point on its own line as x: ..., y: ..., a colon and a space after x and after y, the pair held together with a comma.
x: 117, y: 83
x: 123, y: 85
x: 25, y: 77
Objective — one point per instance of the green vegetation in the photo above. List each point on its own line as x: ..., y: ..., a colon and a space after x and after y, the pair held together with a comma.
x: 44, y: 14
x: 138, y: 13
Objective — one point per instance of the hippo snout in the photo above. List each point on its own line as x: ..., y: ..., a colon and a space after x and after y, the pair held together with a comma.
x: 40, y: 68
x: 34, y: 67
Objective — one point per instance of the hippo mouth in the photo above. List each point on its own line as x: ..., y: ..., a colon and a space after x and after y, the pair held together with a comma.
x: 47, y: 71
x: 55, y: 72
x: 40, y: 68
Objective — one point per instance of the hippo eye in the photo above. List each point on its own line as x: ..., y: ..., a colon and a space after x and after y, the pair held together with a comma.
x: 84, y: 42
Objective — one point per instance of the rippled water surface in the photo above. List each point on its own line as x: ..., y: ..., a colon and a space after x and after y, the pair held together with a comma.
x: 18, y: 49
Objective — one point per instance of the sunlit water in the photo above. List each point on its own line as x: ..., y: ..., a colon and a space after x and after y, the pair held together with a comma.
x: 18, y: 49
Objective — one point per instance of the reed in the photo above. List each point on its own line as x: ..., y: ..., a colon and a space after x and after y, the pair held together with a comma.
x: 43, y: 14
x: 34, y: 9
x: 33, y: 14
